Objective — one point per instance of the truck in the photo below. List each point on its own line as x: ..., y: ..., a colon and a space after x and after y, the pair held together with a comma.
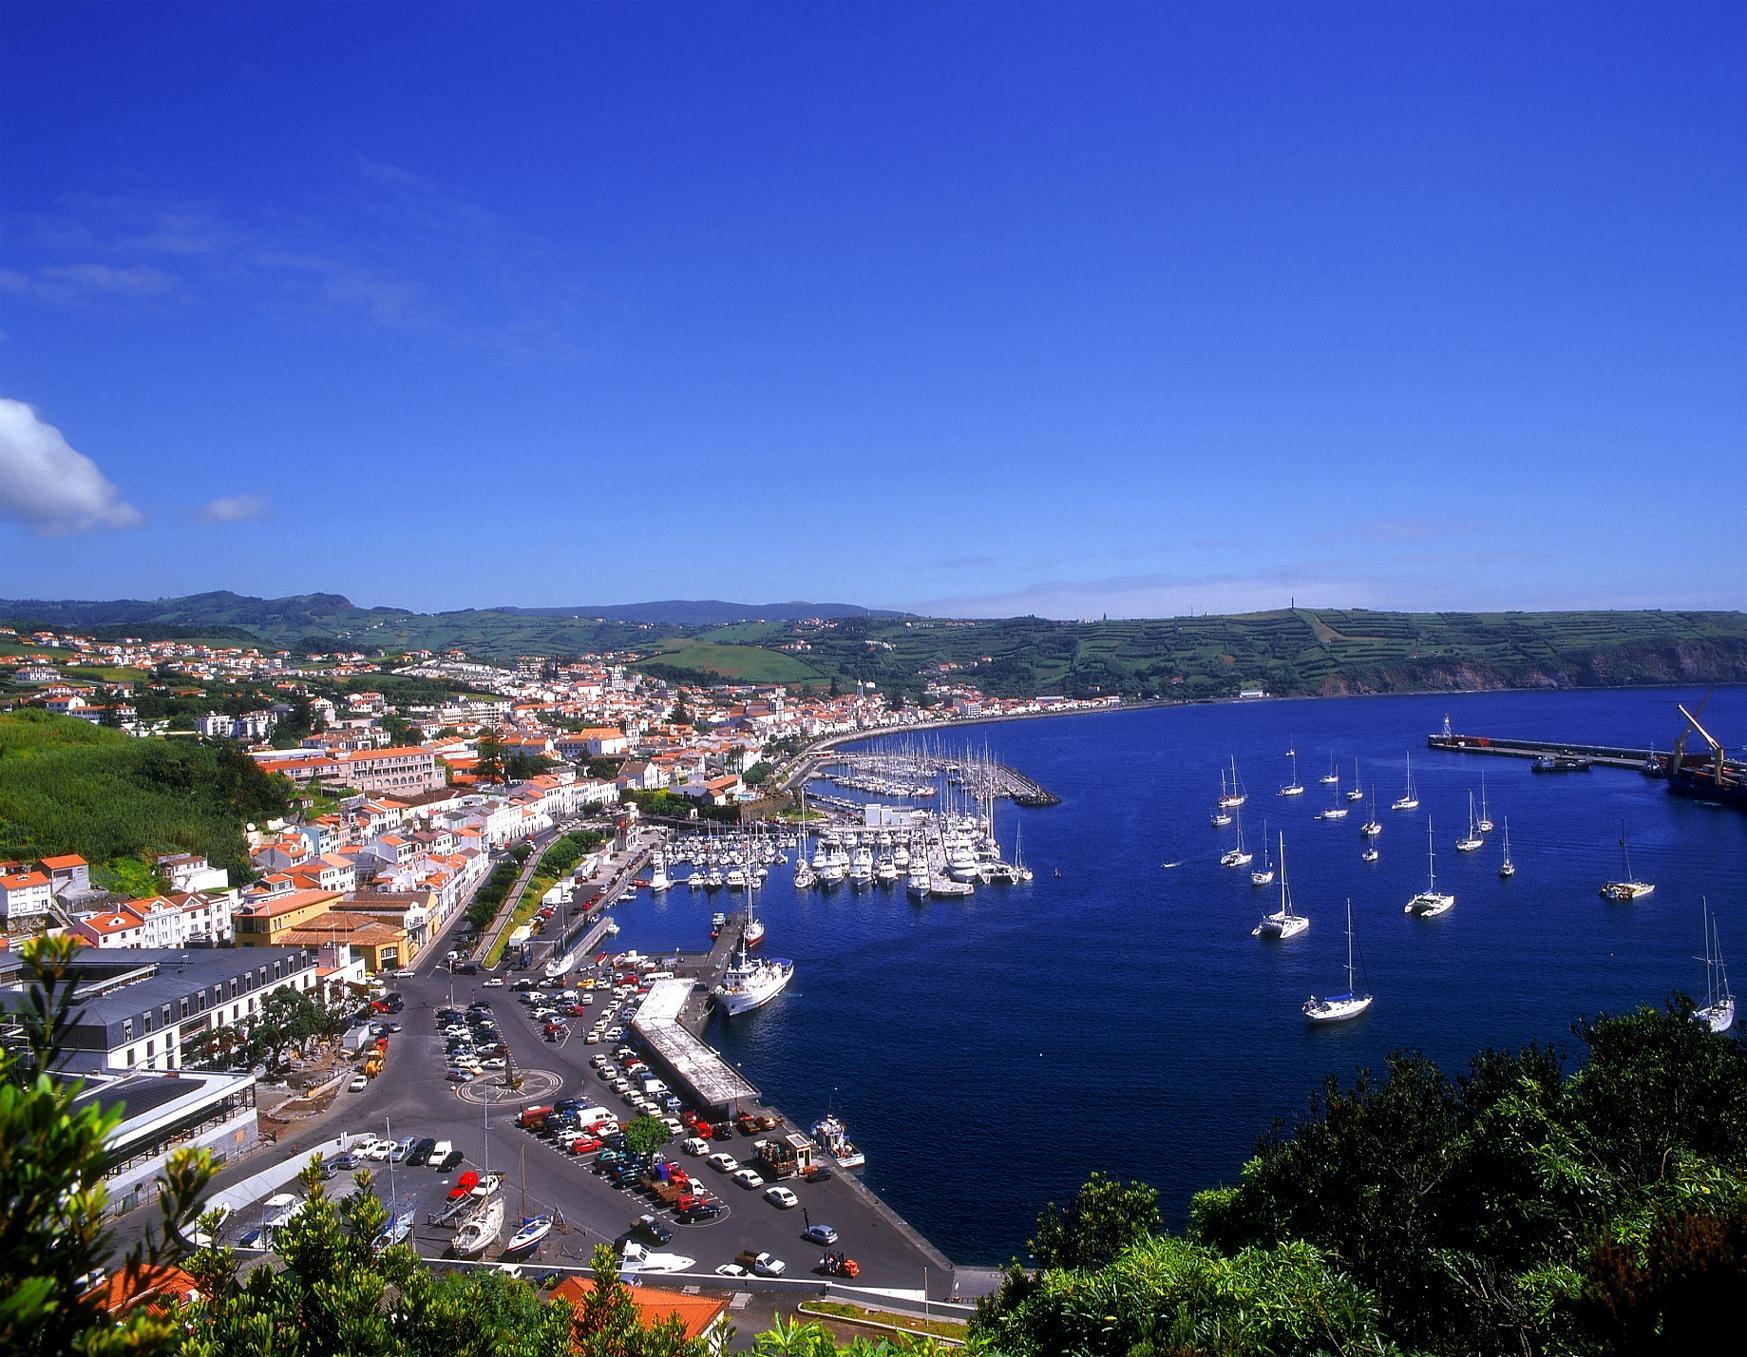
x: 374, y: 1061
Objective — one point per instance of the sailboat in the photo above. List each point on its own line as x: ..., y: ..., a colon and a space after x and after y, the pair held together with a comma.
x: 1234, y: 796
x: 1221, y: 817
x: 1357, y: 791
x: 1283, y: 923
x: 1340, y: 1007
x: 1294, y: 787
x: 1238, y: 856
x: 400, y: 1218
x: 1473, y: 841
x: 1335, y: 810
x: 1409, y: 799
x: 1020, y: 871
x: 1373, y: 826
x: 533, y: 1228
x: 1484, y: 823
x: 1263, y: 875
x: 1507, y: 868
x: 1332, y: 778
x: 1430, y: 902
x: 480, y: 1230
x: 1627, y: 887
x: 1718, y: 1014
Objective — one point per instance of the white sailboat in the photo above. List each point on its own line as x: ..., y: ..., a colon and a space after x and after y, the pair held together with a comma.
x: 1335, y: 810
x: 1357, y: 791
x: 1473, y: 840
x: 1238, y: 856
x: 1627, y: 887
x: 1718, y: 1013
x: 1409, y: 799
x: 1264, y: 875
x: 1294, y: 787
x: 1507, y: 868
x: 1332, y: 778
x: 1284, y: 922
x: 1430, y: 902
x: 1340, y: 1007
x: 1234, y: 796
x: 1484, y: 823
x: 1221, y: 817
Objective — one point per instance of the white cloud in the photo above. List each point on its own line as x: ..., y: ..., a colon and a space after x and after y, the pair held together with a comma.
x: 49, y: 486
x: 235, y: 509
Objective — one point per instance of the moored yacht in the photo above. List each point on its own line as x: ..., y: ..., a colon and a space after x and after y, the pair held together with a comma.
x: 1718, y: 1012
x: 1409, y: 799
x: 1237, y: 856
x: 658, y: 877
x: 1293, y: 787
x: 1264, y: 875
x: 1340, y: 1007
x: 1430, y: 902
x: 1284, y: 922
x: 1627, y: 887
x: 1473, y: 839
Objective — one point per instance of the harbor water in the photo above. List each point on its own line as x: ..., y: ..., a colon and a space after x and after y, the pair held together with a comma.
x: 989, y: 1053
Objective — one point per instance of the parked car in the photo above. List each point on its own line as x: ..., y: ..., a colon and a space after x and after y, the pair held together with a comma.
x: 421, y: 1151
x: 405, y: 973
x: 733, y: 1270
x: 748, y: 1178
x: 693, y: 1145
x: 650, y: 1230
x: 781, y: 1198
x: 359, y: 1083
x: 496, y: 982
x: 344, y: 1161
x: 452, y: 1160
x: 723, y: 1163
x: 819, y: 1234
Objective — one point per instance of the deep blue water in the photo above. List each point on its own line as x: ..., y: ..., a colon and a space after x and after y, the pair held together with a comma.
x: 988, y: 1054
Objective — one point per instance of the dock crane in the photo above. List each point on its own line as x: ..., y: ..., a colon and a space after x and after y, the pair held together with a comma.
x: 1692, y: 724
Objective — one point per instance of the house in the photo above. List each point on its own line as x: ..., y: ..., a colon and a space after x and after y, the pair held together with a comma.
x: 703, y: 1317
x: 25, y: 894
x: 260, y: 923
x: 69, y: 876
x: 190, y: 872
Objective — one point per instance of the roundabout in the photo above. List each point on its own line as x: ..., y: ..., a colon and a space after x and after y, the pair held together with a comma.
x: 532, y: 1086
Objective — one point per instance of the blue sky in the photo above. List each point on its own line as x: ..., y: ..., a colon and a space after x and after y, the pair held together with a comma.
x: 971, y: 308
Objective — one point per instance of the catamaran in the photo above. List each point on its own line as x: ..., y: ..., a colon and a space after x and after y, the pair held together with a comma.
x: 1294, y: 787
x: 1238, y: 856
x: 1430, y: 902
x: 1409, y: 799
x: 1718, y: 1014
x: 1507, y: 868
x: 1264, y: 875
x: 1627, y: 887
x: 1282, y: 923
x: 1473, y: 841
x: 1340, y: 1007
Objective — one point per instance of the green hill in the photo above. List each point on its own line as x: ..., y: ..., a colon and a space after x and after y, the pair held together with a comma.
x: 69, y: 787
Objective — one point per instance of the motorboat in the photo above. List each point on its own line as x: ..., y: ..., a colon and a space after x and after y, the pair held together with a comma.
x: 748, y: 984
x: 1340, y: 1007
x: 658, y: 878
x: 1284, y: 922
x: 736, y: 878
x: 754, y: 933
x: 1430, y: 902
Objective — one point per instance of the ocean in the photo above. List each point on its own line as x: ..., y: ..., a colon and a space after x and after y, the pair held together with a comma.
x: 989, y: 1053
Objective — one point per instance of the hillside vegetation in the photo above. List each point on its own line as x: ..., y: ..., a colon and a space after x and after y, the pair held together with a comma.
x: 1290, y: 651
x: 69, y: 787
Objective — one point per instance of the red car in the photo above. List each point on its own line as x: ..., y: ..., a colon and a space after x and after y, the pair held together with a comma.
x: 584, y: 1145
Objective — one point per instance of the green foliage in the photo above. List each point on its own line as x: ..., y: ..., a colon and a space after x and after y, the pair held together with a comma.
x: 645, y: 1135
x: 69, y: 787
x: 1103, y: 1219
x: 489, y: 898
x: 1165, y: 1295
x: 758, y: 774
x: 53, y: 1158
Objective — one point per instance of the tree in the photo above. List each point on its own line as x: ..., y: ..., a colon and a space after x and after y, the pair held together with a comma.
x: 679, y: 716
x: 758, y: 774
x: 1102, y: 1220
x: 53, y: 1161
x: 491, y: 760
x: 645, y: 1135
x: 607, y: 1324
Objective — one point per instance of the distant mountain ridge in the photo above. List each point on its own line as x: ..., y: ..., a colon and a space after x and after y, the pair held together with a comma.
x: 298, y: 615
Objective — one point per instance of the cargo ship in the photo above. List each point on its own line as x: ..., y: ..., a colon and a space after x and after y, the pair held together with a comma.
x: 1711, y: 776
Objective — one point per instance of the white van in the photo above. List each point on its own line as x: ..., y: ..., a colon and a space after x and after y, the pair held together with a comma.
x: 588, y: 1116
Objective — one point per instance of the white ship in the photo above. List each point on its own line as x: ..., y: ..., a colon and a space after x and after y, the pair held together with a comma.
x: 748, y: 984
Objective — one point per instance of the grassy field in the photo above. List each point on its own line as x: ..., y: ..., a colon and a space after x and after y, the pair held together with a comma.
x: 743, y: 663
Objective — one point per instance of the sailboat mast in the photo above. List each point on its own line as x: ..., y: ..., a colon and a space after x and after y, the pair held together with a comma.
x: 1349, y: 944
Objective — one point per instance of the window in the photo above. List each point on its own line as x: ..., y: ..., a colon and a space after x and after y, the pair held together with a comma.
x: 146, y: 1020
x: 184, y: 1008
x: 127, y: 1029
